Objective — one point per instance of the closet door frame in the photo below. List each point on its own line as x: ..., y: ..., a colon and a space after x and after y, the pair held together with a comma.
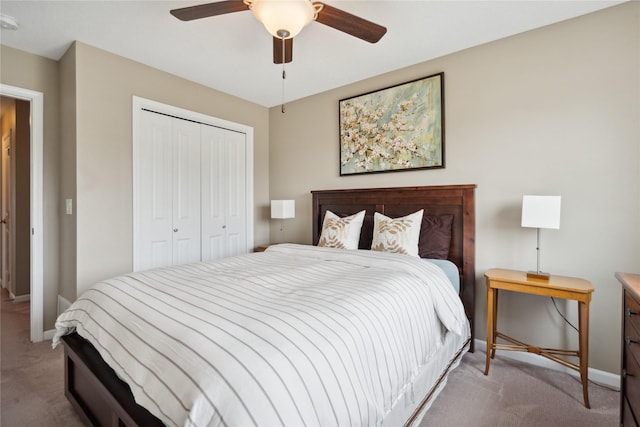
x: 139, y: 104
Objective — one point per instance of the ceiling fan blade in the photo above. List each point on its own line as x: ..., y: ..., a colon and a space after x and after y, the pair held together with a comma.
x: 277, y: 50
x: 350, y: 24
x: 209, y: 9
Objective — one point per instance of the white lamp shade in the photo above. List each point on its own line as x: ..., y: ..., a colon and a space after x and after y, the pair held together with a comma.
x: 541, y: 211
x: 283, y: 209
x: 289, y: 15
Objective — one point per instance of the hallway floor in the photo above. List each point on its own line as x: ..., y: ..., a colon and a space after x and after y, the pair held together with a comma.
x: 31, y: 375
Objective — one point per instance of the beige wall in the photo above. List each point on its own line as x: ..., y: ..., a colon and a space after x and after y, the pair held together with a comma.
x: 551, y: 111
x: 23, y: 70
x: 105, y: 84
x: 67, y: 158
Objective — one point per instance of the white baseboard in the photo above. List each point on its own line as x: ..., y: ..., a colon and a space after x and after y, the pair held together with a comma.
x: 606, y: 379
x: 21, y: 298
x: 48, y: 335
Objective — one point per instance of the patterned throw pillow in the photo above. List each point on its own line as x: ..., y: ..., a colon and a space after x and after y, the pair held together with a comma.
x: 342, y: 233
x: 399, y: 235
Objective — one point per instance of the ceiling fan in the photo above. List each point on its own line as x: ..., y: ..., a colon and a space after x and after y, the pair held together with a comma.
x: 284, y: 19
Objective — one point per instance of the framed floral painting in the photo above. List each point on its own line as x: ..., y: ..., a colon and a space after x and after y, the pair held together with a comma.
x: 394, y: 129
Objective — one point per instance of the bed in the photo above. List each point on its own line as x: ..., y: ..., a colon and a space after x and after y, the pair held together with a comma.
x: 348, y: 367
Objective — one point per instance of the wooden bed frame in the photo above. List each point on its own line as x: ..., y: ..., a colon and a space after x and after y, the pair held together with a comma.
x: 102, y: 399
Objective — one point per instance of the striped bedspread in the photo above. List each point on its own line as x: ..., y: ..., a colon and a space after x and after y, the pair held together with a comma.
x: 294, y: 336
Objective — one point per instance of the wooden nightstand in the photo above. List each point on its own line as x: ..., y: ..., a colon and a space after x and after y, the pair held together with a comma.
x: 263, y: 248
x: 557, y: 286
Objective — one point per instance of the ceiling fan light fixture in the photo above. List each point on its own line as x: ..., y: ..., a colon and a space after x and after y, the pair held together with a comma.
x: 283, y: 18
x: 8, y: 22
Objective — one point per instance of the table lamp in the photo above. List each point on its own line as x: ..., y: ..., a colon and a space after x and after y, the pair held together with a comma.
x: 540, y: 212
x: 283, y: 209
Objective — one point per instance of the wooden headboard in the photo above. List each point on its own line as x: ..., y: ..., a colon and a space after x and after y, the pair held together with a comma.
x: 456, y: 200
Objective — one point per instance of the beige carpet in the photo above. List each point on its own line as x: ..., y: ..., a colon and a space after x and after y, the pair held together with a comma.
x: 31, y: 375
x: 518, y: 394
x: 514, y: 394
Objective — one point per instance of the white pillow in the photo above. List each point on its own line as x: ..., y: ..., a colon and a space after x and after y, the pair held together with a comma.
x: 399, y: 235
x: 343, y: 233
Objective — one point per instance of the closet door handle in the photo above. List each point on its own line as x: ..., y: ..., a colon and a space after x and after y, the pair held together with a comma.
x: 175, y: 230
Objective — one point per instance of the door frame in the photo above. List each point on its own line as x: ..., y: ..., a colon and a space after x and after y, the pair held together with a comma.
x: 36, y: 100
x: 138, y: 104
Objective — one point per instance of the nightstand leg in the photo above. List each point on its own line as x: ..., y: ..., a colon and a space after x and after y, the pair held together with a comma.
x: 583, y: 324
x: 494, y: 334
x: 491, y: 311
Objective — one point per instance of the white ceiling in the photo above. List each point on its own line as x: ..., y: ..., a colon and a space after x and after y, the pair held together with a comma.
x: 233, y: 53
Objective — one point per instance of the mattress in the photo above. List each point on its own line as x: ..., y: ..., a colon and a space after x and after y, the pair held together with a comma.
x: 297, y: 335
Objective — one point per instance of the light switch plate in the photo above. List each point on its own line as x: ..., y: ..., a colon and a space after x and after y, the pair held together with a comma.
x: 69, y: 206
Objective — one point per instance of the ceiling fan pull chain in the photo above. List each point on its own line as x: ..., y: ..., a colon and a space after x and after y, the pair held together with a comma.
x: 284, y: 75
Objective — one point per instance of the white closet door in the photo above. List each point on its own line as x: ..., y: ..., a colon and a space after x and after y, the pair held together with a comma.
x: 192, y: 187
x: 169, y: 191
x: 186, y: 191
x: 224, y: 218
x: 155, y: 211
x: 236, y: 207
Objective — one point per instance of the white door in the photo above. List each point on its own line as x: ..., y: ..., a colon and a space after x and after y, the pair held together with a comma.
x: 155, y: 215
x: 186, y: 191
x: 193, y: 186
x: 236, y: 189
x: 169, y: 191
x: 224, y: 190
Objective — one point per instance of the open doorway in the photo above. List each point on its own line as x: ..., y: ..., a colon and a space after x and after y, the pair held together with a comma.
x: 29, y: 219
x: 15, y: 198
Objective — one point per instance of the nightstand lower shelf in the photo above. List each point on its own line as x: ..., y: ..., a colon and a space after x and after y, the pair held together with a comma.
x: 549, y: 353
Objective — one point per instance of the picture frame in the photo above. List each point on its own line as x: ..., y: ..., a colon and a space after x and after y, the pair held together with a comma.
x: 397, y: 128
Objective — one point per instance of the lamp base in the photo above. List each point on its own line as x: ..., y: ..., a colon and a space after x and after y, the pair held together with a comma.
x: 539, y: 275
